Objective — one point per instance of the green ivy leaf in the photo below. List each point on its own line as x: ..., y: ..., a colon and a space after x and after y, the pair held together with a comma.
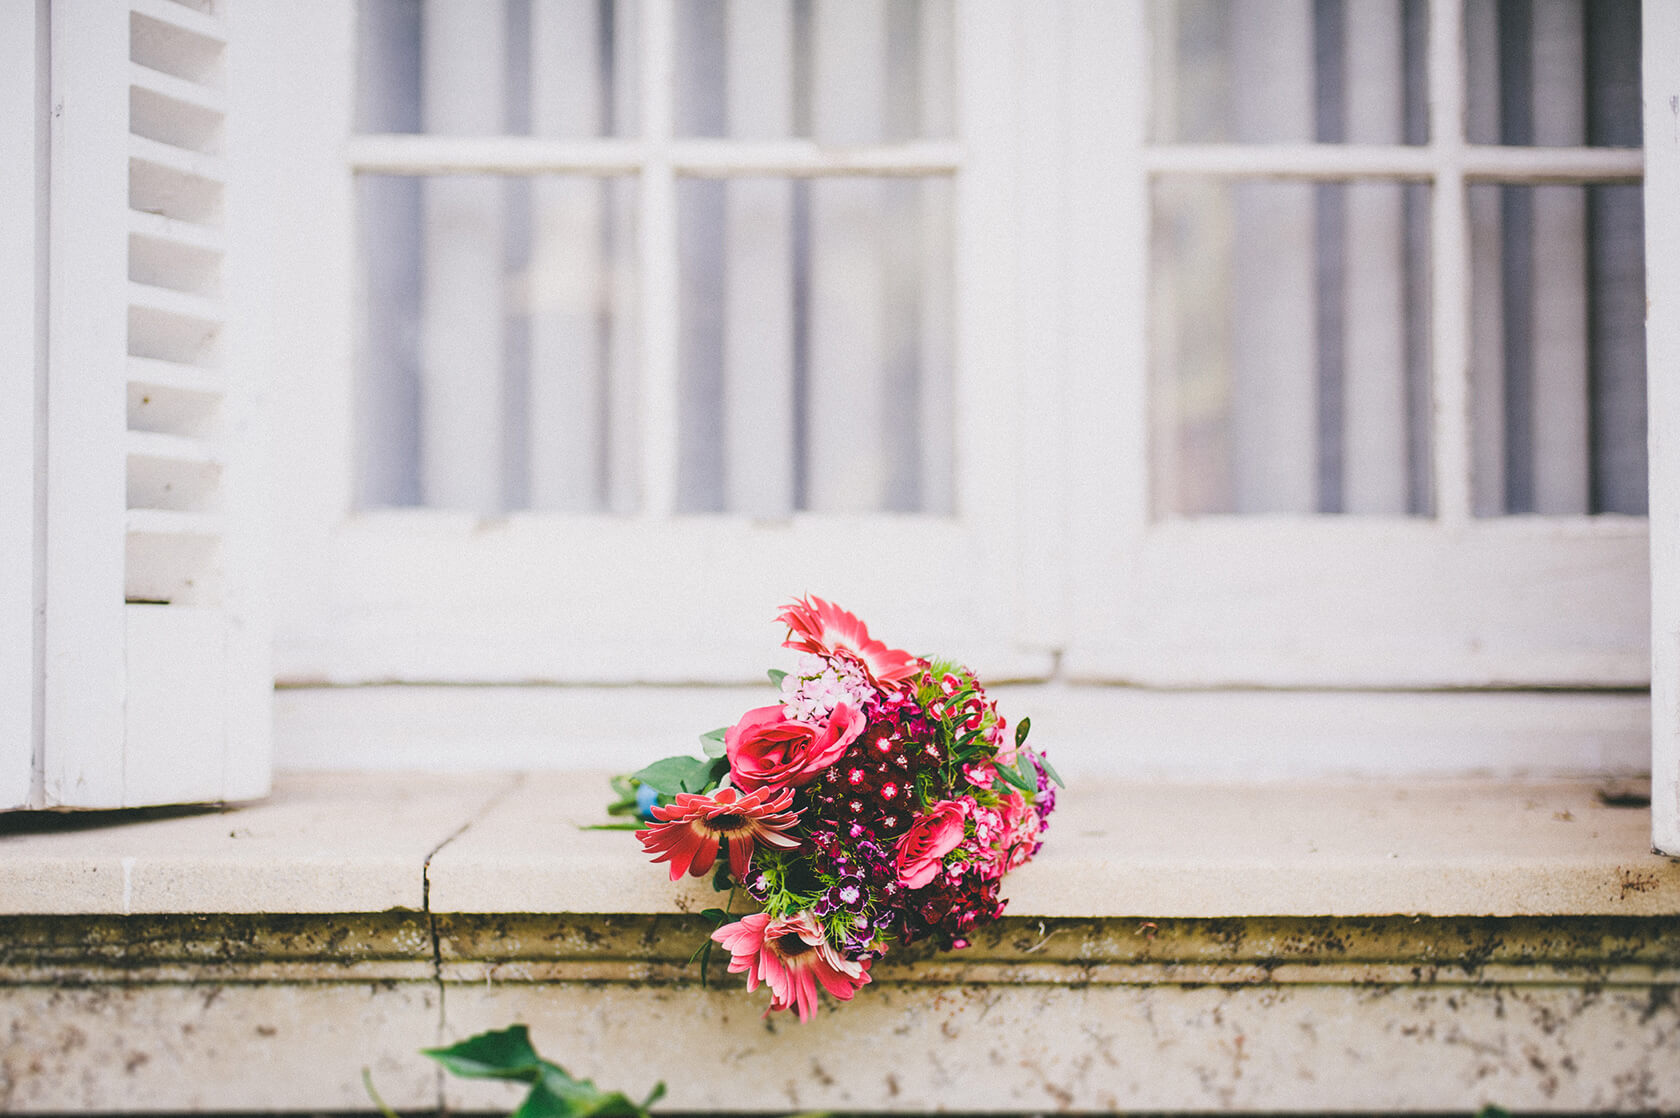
x: 776, y: 676
x: 495, y: 1055
x: 712, y: 742
x: 1022, y: 728
x: 554, y: 1093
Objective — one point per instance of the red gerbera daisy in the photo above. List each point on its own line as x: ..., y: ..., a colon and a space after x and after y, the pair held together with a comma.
x: 791, y: 956
x: 825, y: 629
x: 689, y: 831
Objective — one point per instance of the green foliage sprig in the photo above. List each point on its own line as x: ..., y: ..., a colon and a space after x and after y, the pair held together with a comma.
x: 554, y: 1093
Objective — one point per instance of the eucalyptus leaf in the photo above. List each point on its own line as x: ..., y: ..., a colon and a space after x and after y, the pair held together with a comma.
x: 1050, y: 770
x: 713, y: 743
x: 1010, y: 775
x: 776, y: 676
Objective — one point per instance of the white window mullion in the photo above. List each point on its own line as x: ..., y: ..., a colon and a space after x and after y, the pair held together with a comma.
x: 22, y: 243
x: 659, y: 263
x: 1450, y: 241
x: 1661, y: 32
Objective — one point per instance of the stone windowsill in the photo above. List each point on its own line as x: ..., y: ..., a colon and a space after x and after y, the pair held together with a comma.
x: 510, y: 843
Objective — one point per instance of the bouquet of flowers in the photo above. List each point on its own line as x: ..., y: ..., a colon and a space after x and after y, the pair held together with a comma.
x: 879, y: 802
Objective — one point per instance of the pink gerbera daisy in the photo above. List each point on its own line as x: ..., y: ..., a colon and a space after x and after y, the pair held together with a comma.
x: 791, y: 956
x: 825, y: 629
x: 689, y: 831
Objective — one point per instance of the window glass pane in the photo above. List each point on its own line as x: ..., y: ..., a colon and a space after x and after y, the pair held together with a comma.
x: 1290, y: 335
x: 1558, y: 360
x: 1290, y: 71
x: 1553, y: 73
x: 557, y: 68
x: 498, y: 360
x: 816, y: 346
x: 838, y: 71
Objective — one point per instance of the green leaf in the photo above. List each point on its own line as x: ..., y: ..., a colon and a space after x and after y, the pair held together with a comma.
x: 714, y: 775
x: 636, y: 826
x: 712, y: 742
x: 540, y: 1102
x: 1022, y: 728
x: 654, y: 1095
x: 776, y: 676
x: 1050, y: 770
x: 676, y: 774
x: 1013, y: 777
x: 506, y: 1054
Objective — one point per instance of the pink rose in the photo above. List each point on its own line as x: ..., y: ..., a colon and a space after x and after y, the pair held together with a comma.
x: 924, y: 846
x: 766, y: 749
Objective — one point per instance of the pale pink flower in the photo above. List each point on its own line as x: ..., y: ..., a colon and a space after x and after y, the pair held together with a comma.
x: 792, y: 957
x: 825, y: 629
x: 689, y: 831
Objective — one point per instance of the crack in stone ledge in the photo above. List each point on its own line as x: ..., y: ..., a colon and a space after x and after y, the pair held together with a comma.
x: 484, y: 809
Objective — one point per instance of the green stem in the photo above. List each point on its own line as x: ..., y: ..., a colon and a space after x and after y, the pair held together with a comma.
x: 367, y: 1084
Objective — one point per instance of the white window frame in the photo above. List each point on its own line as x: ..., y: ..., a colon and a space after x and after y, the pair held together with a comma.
x: 1662, y: 287
x: 426, y: 595
x: 1320, y: 601
x: 1056, y: 544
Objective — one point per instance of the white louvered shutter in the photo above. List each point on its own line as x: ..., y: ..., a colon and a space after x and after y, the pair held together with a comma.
x: 154, y: 683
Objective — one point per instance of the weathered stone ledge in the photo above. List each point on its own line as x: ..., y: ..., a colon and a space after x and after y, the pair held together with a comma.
x: 1430, y: 947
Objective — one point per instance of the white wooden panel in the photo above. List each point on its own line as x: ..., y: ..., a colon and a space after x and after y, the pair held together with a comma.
x: 258, y: 176
x: 86, y: 410
x: 1105, y: 242
x: 1274, y: 400
x: 1383, y: 603
x: 175, y: 723
x: 1048, y: 462
x: 758, y: 352
x: 1239, y: 736
x: 1374, y: 300
x: 937, y: 268
x: 848, y: 448
x: 1661, y: 50
x: 315, y: 320
x: 23, y: 79
x: 567, y: 406
x: 1562, y: 454
x: 462, y: 295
